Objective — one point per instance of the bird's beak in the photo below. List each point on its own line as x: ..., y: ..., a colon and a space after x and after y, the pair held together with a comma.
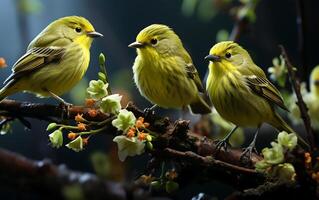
x: 316, y: 82
x: 94, y: 34
x: 212, y: 58
x: 136, y: 45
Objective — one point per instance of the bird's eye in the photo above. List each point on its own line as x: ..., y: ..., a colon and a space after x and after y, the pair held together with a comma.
x: 78, y: 29
x: 227, y: 55
x: 153, y: 41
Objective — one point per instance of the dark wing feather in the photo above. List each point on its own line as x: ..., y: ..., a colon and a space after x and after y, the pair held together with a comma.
x: 34, y: 59
x: 264, y: 88
x: 193, y: 74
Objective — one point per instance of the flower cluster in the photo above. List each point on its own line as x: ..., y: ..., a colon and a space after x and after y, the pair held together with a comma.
x: 100, y: 100
x: 274, y: 158
x: 278, y: 71
x: 135, y: 136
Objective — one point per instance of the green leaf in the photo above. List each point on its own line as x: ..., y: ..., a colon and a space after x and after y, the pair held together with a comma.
x: 156, y: 185
x: 171, y: 186
x: 188, y: 7
x: 101, y: 164
x: 222, y: 35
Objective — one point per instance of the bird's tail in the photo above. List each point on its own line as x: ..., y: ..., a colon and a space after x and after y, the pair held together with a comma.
x: 200, y: 106
x: 281, y: 125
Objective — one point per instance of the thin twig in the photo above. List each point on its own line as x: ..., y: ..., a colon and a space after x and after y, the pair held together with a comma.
x: 301, y: 37
x: 239, y: 28
x: 208, y: 161
x: 300, y: 102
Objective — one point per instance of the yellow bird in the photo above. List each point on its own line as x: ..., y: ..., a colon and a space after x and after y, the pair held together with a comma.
x: 241, y: 92
x: 55, y: 61
x: 164, y: 72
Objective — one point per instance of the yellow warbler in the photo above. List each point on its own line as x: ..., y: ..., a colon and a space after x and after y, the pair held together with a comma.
x: 55, y: 60
x: 241, y: 92
x: 164, y: 72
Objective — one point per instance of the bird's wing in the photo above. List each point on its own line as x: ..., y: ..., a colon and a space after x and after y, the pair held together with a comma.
x: 264, y: 88
x: 193, y: 74
x: 34, y: 59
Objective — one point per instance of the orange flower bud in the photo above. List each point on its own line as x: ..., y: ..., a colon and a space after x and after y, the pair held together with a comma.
x: 146, y: 124
x: 142, y: 136
x: 92, y: 112
x: 171, y: 175
x: 131, y: 133
x: 79, y: 118
x: 72, y: 135
x: 139, y: 123
x: 2, y: 62
x: 85, y: 141
x: 81, y: 126
x: 89, y: 102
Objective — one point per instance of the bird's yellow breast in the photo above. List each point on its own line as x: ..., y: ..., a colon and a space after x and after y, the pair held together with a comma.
x: 164, y: 81
x: 62, y: 76
x: 235, y: 102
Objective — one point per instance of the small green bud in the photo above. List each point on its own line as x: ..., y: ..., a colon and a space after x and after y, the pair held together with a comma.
x: 156, y: 185
x: 149, y: 138
x: 101, y: 59
x: 171, y: 186
x: 149, y: 145
x: 102, y: 77
x: 51, y: 126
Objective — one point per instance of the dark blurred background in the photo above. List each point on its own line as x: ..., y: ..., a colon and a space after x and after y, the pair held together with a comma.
x: 120, y: 21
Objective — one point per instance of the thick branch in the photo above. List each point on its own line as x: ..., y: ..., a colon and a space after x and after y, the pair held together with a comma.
x: 48, y: 180
x: 44, y: 111
x: 175, y: 136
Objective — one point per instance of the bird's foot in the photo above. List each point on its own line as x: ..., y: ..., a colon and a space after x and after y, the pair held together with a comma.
x: 222, y: 144
x: 149, y: 112
x: 247, y: 153
x: 65, y: 106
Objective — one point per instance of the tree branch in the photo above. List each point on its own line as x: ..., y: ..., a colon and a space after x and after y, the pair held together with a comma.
x: 48, y: 180
x: 295, y: 82
x: 174, y: 138
x: 301, y: 37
